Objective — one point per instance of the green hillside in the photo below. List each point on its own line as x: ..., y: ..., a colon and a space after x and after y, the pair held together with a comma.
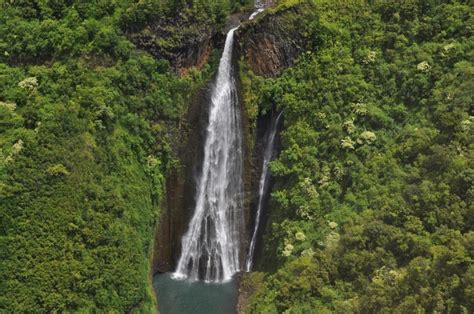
x: 372, y: 209
x: 372, y: 206
x: 85, y: 122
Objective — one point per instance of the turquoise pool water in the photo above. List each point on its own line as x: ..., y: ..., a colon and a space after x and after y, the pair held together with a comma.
x: 183, y: 297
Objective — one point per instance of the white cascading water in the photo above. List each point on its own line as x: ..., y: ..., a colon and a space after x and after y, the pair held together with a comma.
x: 210, y: 247
x: 259, y: 6
x: 263, y: 187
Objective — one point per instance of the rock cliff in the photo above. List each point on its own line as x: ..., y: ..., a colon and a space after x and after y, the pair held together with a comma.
x: 181, y: 40
x: 268, y: 44
x: 178, y: 205
x: 271, y: 42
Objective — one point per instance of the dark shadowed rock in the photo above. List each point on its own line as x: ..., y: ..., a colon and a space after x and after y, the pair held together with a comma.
x: 182, y: 40
x: 179, y: 202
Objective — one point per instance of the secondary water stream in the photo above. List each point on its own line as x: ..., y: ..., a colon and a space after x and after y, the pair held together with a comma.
x: 263, y: 186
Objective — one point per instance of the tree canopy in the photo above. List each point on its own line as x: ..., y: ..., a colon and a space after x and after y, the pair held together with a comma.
x: 86, y: 123
x: 372, y: 206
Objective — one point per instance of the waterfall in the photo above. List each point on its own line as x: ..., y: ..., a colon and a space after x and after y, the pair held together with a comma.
x: 263, y: 186
x: 210, y: 247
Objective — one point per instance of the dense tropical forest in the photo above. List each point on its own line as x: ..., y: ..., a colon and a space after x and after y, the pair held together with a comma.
x: 372, y: 209
x: 86, y: 124
x: 372, y: 204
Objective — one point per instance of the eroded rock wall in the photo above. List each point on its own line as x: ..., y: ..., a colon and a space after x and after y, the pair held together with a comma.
x: 182, y: 40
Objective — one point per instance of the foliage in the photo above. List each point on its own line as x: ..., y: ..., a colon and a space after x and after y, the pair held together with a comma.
x: 372, y: 205
x: 84, y: 147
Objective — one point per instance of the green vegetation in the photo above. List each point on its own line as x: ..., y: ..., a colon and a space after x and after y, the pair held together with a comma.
x: 86, y: 123
x: 176, y: 30
x: 372, y: 209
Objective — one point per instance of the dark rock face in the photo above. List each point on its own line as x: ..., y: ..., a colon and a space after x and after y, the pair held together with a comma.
x: 184, y: 41
x: 271, y: 43
x: 170, y: 224
x: 193, y: 53
x: 179, y: 202
x: 181, y: 40
x: 248, y: 166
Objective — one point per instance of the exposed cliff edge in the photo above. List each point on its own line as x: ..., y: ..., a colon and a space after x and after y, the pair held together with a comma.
x: 271, y: 42
x: 181, y: 40
x: 179, y: 202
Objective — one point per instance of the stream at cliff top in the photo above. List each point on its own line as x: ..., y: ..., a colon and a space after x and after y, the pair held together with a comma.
x: 196, y: 297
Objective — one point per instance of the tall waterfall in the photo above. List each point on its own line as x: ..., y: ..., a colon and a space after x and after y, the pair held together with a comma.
x: 263, y: 186
x: 211, y: 245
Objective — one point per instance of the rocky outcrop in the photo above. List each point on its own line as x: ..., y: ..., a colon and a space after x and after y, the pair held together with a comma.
x: 272, y: 41
x: 182, y: 40
x: 170, y: 225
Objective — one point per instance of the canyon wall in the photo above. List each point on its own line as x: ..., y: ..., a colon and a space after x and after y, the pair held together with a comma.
x: 268, y: 45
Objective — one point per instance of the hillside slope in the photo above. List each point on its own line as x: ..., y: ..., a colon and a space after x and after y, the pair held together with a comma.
x: 86, y: 124
x: 372, y: 207
x: 372, y: 203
